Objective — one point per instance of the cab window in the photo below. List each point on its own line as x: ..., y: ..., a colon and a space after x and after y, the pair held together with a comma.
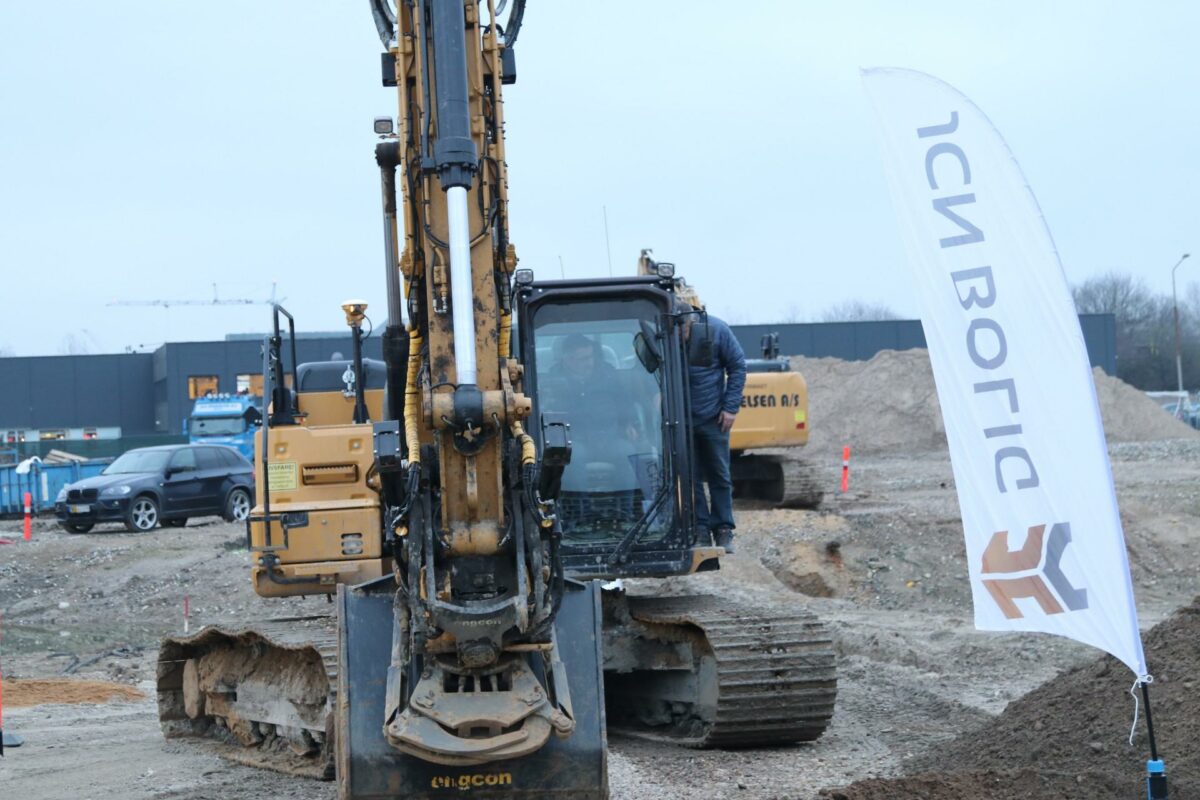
x: 587, y: 369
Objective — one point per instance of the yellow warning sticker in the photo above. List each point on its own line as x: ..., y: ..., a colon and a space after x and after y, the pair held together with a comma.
x: 282, y: 476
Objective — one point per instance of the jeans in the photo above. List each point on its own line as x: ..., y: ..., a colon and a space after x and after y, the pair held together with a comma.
x: 711, y: 446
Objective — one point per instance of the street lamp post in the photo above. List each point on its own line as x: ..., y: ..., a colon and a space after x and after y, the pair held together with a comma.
x: 1175, y: 304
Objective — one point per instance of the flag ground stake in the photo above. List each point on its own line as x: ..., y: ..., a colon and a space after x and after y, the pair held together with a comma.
x: 1156, y: 771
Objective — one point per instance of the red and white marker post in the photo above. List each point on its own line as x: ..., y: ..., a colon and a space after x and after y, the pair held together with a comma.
x: 845, y: 469
x: 28, y: 518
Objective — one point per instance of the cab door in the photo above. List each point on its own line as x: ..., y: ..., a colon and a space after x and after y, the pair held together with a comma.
x: 182, y: 485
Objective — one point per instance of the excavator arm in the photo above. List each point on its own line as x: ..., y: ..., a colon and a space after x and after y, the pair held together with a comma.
x: 475, y: 544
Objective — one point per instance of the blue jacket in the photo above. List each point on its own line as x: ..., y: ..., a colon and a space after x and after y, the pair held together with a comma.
x: 718, y: 387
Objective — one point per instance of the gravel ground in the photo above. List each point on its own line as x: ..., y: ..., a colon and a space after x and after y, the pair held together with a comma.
x: 883, y: 564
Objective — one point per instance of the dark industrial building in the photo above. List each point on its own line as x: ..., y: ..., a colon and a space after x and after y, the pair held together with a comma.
x: 144, y: 398
x: 859, y: 341
x: 101, y: 405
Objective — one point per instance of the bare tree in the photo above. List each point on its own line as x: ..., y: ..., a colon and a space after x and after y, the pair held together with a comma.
x: 73, y: 344
x: 792, y: 315
x: 1119, y: 294
x: 857, y: 311
x: 1144, y: 327
x: 1189, y: 302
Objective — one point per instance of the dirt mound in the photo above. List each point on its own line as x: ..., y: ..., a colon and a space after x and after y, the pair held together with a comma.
x: 1131, y: 416
x: 890, y: 403
x: 1067, y: 737
x: 887, y: 403
x: 19, y: 693
x: 982, y: 785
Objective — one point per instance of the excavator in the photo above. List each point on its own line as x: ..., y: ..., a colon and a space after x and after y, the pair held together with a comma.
x: 463, y: 501
x: 774, y: 416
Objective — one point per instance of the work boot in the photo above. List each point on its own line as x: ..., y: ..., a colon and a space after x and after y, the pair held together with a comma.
x: 723, y: 537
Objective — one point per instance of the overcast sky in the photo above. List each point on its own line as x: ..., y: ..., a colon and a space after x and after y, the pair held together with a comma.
x: 151, y: 149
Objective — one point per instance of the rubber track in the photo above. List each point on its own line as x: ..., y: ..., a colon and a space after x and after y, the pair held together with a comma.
x: 285, y: 633
x: 776, y: 672
x: 800, y: 486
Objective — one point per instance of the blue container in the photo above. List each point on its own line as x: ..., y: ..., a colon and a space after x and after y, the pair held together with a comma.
x: 43, y: 482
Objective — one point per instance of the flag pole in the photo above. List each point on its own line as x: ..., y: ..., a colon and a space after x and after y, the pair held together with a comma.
x: 1156, y: 772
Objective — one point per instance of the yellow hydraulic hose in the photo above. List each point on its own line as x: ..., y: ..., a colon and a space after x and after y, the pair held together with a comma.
x: 528, y: 459
x: 505, y: 334
x: 528, y: 450
x: 412, y: 397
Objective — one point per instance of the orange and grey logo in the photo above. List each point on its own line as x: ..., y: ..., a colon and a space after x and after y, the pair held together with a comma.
x: 1009, y: 575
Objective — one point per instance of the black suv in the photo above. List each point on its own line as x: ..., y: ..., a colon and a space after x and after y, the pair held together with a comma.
x: 160, y: 484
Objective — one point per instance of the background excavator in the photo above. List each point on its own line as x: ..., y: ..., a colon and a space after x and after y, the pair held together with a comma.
x: 464, y: 498
x: 770, y: 431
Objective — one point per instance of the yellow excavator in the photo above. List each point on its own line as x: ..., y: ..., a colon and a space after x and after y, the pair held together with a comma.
x: 774, y: 417
x: 464, y: 498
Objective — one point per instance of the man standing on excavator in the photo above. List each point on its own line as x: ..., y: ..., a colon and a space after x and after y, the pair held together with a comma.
x: 716, y: 391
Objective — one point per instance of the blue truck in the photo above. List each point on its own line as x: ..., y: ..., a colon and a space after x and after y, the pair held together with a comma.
x: 227, y: 419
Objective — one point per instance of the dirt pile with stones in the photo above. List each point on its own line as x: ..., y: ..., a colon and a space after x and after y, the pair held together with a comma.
x: 890, y: 403
x: 1067, y: 738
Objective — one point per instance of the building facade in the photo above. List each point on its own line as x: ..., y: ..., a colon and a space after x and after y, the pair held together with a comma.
x: 142, y: 398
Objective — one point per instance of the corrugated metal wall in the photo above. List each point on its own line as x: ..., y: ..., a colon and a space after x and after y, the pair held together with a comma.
x: 76, y: 391
x: 144, y: 393
x: 859, y: 341
x: 141, y: 393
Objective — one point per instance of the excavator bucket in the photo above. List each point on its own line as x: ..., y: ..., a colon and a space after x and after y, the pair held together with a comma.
x: 573, y: 768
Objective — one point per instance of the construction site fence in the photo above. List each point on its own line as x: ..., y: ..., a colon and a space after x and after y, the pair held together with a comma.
x: 43, y: 483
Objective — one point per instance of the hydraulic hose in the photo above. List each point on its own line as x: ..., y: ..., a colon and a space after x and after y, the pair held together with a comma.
x: 412, y: 397
x: 505, y: 334
x: 528, y: 449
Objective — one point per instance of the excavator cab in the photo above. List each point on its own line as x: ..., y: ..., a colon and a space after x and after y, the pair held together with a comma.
x: 609, y: 357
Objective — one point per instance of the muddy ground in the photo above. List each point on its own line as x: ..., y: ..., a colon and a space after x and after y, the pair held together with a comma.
x: 883, y: 564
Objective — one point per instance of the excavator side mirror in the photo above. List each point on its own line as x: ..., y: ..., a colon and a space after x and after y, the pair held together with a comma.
x: 645, y: 345
x: 645, y: 353
x: 700, y: 344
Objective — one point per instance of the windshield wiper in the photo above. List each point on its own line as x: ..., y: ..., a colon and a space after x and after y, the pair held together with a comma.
x: 620, y: 553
